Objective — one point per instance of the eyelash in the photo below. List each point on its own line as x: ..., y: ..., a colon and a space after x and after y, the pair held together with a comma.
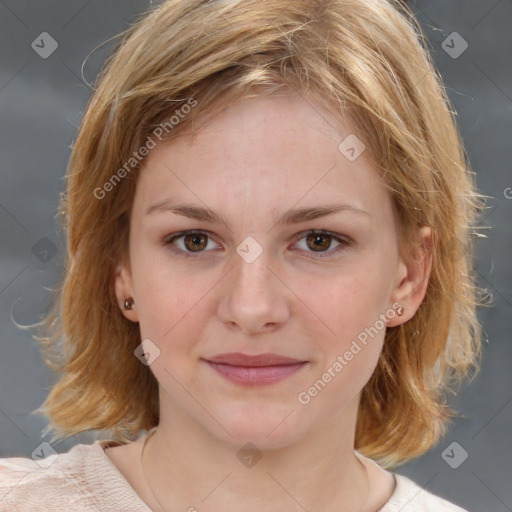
x: 343, y: 241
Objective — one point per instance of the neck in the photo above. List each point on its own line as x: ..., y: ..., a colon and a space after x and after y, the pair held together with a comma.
x: 185, y: 467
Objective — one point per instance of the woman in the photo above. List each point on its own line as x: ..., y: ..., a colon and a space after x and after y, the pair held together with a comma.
x: 269, y: 287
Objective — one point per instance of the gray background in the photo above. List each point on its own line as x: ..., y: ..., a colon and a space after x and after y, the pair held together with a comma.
x: 41, y: 103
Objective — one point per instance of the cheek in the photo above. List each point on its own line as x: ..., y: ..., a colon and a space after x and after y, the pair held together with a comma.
x: 350, y: 355
x: 172, y: 304
x: 346, y: 303
x: 351, y: 331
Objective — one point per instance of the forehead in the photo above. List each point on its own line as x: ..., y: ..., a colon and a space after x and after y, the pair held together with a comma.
x: 267, y: 151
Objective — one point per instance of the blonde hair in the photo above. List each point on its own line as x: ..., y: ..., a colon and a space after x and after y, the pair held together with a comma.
x: 365, y: 59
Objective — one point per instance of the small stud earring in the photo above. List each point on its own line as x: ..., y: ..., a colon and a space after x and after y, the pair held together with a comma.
x: 400, y: 311
x: 128, y: 303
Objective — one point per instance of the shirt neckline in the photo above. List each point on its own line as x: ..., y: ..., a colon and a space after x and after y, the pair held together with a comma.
x: 101, y: 445
x: 396, y: 488
x: 131, y: 496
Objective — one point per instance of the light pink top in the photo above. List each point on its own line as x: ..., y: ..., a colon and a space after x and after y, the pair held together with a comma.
x: 85, y: 479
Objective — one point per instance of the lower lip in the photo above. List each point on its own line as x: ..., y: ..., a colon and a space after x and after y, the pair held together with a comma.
x: 256, y: 375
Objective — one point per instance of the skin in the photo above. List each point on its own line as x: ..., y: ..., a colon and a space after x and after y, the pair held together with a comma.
x: 251, y: 163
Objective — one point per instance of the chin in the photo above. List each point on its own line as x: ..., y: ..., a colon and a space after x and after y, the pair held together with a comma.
x: 267, y: 430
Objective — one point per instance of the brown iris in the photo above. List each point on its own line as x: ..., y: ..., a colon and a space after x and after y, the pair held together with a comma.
x: 319, y: 241
x: 195, y: 242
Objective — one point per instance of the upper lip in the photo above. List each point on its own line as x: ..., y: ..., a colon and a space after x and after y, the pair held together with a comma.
x: 238, y: 359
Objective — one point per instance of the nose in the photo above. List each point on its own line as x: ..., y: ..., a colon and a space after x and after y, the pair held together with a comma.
x: 254, y: 299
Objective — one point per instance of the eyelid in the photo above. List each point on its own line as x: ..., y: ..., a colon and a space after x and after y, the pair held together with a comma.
x: 343, y: 240
x: 168, y: 241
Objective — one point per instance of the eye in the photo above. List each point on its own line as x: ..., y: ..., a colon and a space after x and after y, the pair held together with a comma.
x: 189, y: 242
x: 320, y: 241
x: 193, y: 243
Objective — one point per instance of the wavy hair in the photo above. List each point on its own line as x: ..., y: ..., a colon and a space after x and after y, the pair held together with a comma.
x: 366, y: 60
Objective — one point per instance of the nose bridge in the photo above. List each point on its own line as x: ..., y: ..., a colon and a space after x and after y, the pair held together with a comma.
x: 253, y: 297
x: 252, y: 275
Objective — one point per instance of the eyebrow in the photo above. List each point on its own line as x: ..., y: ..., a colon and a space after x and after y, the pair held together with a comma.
x: 293, y: 216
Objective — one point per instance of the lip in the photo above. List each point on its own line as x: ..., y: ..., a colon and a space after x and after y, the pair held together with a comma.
x: 257, y: 370
x: 238, y: 359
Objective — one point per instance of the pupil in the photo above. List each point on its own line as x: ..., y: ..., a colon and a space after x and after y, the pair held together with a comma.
x: 317, y: 241
x: 196, y: 241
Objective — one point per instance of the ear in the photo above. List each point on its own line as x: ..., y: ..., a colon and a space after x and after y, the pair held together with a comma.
x: 124, y: 289
x: 412, y: 280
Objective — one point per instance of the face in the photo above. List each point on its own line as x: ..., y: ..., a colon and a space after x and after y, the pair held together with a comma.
x: 247, y: 280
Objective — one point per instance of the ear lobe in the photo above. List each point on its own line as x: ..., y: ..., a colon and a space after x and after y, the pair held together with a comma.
x: 414, y: 277
x: 123, y: 286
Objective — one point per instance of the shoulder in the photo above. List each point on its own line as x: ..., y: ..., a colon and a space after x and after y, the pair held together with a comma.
x: 408, y: 496
x: 54, y: 481
x: 82, y: 479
